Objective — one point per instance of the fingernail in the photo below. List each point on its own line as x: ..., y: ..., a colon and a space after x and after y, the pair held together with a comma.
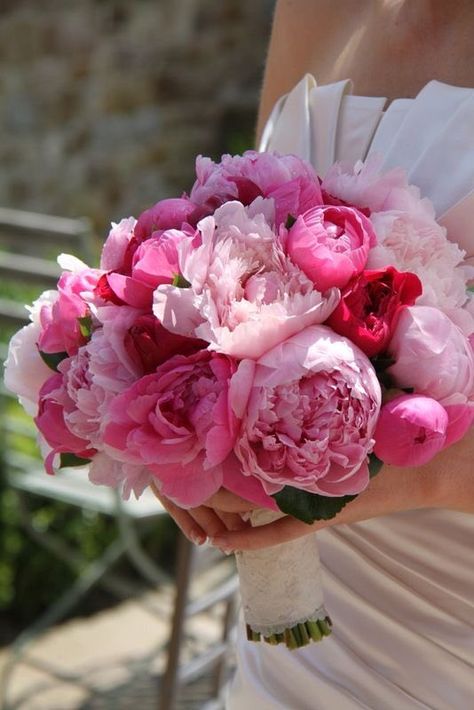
x: 198, y: 538
x: 216, y: 542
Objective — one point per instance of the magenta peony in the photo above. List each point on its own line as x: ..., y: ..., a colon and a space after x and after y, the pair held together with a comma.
x: 50, y: 420
x: 177, y: 422
x: 170, y: 213
x: 288, y: 180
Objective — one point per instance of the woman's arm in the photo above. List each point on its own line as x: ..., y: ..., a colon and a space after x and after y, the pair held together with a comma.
x: 446, y: 482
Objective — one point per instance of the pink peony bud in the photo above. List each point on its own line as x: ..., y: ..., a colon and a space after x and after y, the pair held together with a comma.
x: 411, y: 430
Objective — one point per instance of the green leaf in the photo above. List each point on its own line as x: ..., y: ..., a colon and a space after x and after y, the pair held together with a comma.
x: 85, y: 326
x: 180, y: 281
x: 375, y: 464
x: 471, y: 289
x: 309, y: 507
x: 290, y: 220
x: 68, y: 460
x: 52, y: 360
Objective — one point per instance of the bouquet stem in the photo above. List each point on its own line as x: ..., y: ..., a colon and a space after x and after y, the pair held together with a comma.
x: 281, y: 590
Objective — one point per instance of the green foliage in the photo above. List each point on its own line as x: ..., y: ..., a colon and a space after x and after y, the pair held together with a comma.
x: 309, y: 507
x: 52, y: 360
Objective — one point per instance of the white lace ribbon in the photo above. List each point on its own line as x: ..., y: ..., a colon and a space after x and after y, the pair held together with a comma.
x: 281, y: 585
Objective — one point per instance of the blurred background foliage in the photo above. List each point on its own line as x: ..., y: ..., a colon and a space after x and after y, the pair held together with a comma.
x: 104, y: 105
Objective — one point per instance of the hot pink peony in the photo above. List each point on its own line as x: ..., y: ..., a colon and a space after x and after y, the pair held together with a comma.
x: 245, y: 295
x: 309, y: 408
x: 60, y: 327
x: 330, y: 244
x: 411, y: 430
x: 432, y: 356
x: 50, y: 420
x: 177, y: 422
x: 156, y: 260
x: 170, y: 213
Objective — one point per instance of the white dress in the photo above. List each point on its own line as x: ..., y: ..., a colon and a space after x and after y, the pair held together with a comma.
x: 399, y: 588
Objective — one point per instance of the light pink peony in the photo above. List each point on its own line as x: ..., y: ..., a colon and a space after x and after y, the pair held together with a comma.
x: 411, y: 430
x: 110, y: 363
x: 331, y: 245
x: 119, y: 246
x: 60, y: 328
x: 288, y: 180
x: 177, y: 422
x: 82, y: 399
x: 432, y: 356
x: 106, y: 471
x: 309, y: 408
x: 246, y: 295
x: 366, y: 187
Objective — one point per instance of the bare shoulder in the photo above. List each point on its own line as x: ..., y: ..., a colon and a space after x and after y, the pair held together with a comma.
x: 305, y: 36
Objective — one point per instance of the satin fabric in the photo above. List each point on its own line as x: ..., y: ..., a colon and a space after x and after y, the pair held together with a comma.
x: 400, y: 588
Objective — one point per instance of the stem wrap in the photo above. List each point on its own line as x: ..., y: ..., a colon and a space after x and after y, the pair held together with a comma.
x: 280, y: 586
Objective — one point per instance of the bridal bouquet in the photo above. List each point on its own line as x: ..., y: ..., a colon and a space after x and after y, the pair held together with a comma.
x: 271, y: 333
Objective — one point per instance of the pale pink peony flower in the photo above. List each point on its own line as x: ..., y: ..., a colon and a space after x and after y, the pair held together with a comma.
x: 246, y: 295
x: 410, y: 431
x: 309, y: 408
x: 106, y: 471
x: 177, y: 422
x: 366, y: 187
x: 330, y: 244
x: 119, y: 246
x: 288, y: 180
x: 110, y: 365
x: 432, y: 356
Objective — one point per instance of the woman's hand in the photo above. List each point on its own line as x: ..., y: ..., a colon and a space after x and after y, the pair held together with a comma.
x: 446, y: 482
x: 219, y: 515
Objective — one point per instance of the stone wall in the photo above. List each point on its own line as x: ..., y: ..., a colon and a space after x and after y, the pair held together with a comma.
x: 105, y: 103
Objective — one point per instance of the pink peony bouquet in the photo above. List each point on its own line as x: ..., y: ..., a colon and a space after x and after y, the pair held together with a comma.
x: 271, y: 333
